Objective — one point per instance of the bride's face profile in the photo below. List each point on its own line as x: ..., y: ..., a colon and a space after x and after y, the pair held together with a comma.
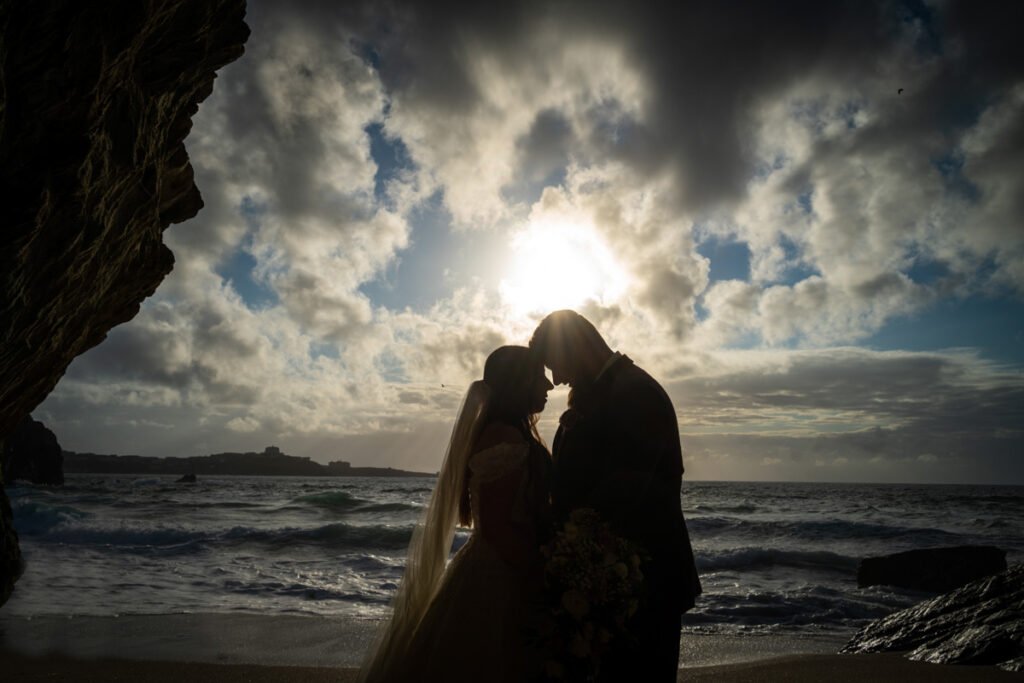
x: 539, y: 389
x: 517, y: 380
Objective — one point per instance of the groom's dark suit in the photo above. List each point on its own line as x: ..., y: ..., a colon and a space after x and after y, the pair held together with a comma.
x: 617, y: 451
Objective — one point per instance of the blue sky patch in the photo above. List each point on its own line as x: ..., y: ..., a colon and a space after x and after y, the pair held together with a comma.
x: 237, y: 270
x: 323, y: 350
x: 391, y: 156
x: 993, y: 326
x: 730, y: 260
x: 437, y: 257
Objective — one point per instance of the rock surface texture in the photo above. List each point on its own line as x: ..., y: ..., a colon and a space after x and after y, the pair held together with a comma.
x: 31, y: 453
x: 97, y: 100
x: 980, y: 623
x: 937, y: 570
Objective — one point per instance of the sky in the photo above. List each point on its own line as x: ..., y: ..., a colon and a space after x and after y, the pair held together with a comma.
x: 806, y: 219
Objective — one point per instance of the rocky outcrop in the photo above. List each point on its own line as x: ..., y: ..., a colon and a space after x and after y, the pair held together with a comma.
x: 980, y: 623
x: 11, y: 562
x: 97, y: 99
x: 936, y: 570
x: 32, y: 453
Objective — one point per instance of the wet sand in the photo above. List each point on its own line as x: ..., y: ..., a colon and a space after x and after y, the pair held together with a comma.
x: 254, y: 648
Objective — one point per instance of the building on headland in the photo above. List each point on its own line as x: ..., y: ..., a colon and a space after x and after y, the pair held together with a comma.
x: 340, y: 467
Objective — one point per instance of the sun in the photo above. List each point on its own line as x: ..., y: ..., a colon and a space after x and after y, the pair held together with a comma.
x: 558, y: 265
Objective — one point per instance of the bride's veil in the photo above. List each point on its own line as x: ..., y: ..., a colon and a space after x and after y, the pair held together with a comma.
x: 430, y: 545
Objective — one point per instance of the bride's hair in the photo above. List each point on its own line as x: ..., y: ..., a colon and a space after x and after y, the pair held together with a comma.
x: 510, y: 373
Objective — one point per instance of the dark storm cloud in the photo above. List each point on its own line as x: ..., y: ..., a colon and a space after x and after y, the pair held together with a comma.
x: 712, y: 63
x: 987, y: 36
x: 852, y: 139
x: 893, y: 455
x: 466, y: 348
x: 197, y: 356
x: 939, y: 392
x: 709, y: 64
x: 929, y: 417
x: 545, y: 148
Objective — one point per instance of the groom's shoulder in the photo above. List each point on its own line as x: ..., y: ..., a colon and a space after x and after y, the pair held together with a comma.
x: 634, y: 383
x: 632, y: 375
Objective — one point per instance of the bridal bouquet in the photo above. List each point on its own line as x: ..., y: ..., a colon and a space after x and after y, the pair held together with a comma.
x: 594, y: 583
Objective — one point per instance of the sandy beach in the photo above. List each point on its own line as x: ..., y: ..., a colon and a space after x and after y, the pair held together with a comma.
x: 791, y: 669
x: 294, y: 649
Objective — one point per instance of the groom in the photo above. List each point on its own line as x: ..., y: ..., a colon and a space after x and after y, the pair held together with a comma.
x: 617, y: 451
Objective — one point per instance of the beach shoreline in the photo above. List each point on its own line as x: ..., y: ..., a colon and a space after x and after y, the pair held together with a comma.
x: 791, y: 669
x: 292, y: 648
x: 304, y: 641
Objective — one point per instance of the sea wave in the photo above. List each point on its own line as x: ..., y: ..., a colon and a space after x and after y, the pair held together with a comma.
x: 332, y: 500
x: 337, y: 535
x: 302, y: 591
x: 775, y: 610
x: 704, y: 508
x: 771, y: 556
x: 34, y: 518
x: 994, y: 499
x: 813, y: 529
x: 62, y: 525
x: 390, y: 507
x: 123, y: 537
x: 342, y: 501
x: 751, y: 557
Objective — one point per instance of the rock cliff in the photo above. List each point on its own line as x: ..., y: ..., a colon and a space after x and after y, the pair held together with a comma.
x: 980, y: 623
x: 936, y: 570
x: 31, y: 453
x: 97, y: 100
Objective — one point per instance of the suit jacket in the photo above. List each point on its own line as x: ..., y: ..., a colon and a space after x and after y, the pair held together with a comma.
x: 617, y: 451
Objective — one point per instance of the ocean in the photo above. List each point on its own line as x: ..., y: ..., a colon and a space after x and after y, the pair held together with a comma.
x: 775, y: 558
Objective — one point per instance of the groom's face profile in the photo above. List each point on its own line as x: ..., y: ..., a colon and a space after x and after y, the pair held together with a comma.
x: 561, y: 367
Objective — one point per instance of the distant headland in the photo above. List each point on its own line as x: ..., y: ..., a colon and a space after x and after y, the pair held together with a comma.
x: 270, y: 463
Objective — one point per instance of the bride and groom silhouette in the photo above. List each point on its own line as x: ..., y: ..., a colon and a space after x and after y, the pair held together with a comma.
x: 616, y: 452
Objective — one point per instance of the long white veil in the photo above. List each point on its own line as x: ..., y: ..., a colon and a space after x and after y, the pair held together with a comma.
x: 430, y: 545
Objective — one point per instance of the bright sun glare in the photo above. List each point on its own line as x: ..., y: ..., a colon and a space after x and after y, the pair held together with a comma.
x: 560, y: 265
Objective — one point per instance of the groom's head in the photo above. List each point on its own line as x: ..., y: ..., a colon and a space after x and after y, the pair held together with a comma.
x: 571, y: 346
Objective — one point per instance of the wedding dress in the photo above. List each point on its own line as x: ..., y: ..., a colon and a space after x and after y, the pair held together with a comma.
x: 469, y: 621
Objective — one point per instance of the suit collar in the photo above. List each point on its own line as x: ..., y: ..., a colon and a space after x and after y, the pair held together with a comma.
x: 615, y: 365
x: 607, y: 364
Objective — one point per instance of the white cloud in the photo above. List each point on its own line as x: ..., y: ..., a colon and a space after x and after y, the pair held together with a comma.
x: 651, y: 128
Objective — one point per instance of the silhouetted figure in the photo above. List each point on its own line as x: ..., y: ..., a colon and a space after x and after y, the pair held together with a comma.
x: 617, y: 451
x: 466, y: 621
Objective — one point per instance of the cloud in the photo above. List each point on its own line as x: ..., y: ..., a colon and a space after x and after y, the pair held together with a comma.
x: 881, y: 415
x: 942, y: 393
x: 654, y: 128
x: 784, y: 130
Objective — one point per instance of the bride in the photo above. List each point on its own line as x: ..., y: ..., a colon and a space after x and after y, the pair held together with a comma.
x: 467, y: 622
